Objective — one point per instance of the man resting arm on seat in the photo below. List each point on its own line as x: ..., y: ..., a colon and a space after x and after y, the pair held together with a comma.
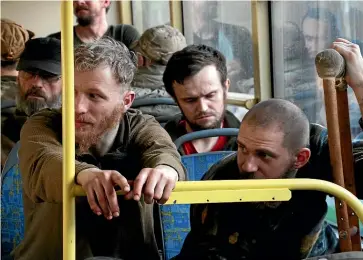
x: 114, y: 144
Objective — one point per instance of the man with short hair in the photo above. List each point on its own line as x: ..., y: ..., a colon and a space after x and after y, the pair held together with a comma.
x: 154, y: 48
x: 275, y: 141
x: 116, y: 148
x: 92, y: 24
x: 196, y: 77
x: 39, y: 86
x: 13, y: 39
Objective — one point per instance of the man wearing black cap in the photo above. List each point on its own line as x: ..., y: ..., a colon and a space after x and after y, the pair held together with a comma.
x: 39, y: 86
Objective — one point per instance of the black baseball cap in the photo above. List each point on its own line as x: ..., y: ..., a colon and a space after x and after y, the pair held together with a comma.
x: 42, y: 54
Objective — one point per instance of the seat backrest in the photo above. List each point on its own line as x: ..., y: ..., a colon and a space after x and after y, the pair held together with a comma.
x: 205, y: 134
x: 176, y: 218
x: 12, y: 214
x: 152, y: 102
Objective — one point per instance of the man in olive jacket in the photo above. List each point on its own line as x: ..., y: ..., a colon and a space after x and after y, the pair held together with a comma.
x: 114, y: 145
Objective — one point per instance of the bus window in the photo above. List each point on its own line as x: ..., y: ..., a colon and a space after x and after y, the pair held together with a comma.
x: 146, y: 14
x: 300, y: 30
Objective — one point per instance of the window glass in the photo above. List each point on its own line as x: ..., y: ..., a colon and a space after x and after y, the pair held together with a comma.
x: 300, y: 30
x: 226, y: 26
x: 148, y: 14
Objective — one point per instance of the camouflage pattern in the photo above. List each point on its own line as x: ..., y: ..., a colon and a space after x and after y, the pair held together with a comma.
x: 9, y: 87
x: 159, y: 43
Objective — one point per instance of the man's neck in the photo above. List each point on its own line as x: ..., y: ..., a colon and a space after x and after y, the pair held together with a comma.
x: 203, y: 145
x: 93, y: 31
x: 7, y: 72
x: 106, y: 142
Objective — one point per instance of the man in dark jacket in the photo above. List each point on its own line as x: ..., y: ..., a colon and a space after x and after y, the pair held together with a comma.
x: 39, y: 86
x: 92, y: 24
x: 275, y: 141
x: 196, y: 77
x: 114, y: 145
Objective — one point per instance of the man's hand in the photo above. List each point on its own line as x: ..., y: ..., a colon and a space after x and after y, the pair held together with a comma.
x: 101, y: 194
x: 156, y: 184
x: 354, y: 60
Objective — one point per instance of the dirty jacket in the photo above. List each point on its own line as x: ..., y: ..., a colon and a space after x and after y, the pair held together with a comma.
x: 9, y: 87
x: 176, y: 130
x: 148, y: 83
x: 140, y: 143
x: 12, y: 120
x: 232, y: 231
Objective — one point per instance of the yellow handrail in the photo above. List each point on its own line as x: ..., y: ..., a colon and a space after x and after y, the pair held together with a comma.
x: 69, y: 213
x: 183, y: 192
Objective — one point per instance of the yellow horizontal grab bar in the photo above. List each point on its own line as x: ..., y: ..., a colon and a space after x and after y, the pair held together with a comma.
x: 222, y: 189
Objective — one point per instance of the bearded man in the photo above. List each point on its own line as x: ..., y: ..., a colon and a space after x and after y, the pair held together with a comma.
x: 114, y: 145
x: 196, y: 77
x: 92, y: 24
x: 39, y: 86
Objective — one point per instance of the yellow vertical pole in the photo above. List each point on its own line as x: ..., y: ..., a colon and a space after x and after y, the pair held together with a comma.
x: 69, y: 212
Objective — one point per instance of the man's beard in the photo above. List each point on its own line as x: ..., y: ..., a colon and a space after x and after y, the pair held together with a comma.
x: 216, y: 124
x: 85, y: 21
x: 87, y: 139
x: 289, y: 174
x: 31, y: 106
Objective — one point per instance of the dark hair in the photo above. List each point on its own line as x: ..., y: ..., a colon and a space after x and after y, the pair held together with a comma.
x: 324, y: 15
x: 286, y: 116
x: 189, y: 61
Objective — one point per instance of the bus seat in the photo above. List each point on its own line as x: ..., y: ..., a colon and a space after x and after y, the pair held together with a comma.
x: 176, y: 218
x: 12, y: 214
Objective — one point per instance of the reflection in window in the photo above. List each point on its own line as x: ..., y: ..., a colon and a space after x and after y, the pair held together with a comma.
x: 225, y: 26
x: 300, y: 30
x: 148, y: 14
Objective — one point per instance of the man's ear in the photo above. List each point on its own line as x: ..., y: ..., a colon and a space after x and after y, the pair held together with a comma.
x: 140, y: 60
x: 302, y: 158
x: 227, y: 84
x: 128, y: 98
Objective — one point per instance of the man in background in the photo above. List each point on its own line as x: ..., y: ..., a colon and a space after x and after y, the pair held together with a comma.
x: 154, y: 49
x: 38, y: 86
x: 13, y: 39
x: 196, y: 77
x: 92, y: 24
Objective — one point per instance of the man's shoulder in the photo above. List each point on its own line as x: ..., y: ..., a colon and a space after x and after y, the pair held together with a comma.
x: 47, y: 116
x: 231, y: 120
x: 137, y: 119
x: 56, y: 35
x: 173, y: 127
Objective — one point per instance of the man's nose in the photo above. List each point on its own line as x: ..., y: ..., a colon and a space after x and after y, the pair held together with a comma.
x: 80, y: 106
x: 249, y: 164
x: 202, y: 105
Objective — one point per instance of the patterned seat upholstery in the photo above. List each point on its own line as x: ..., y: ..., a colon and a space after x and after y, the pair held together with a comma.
x: 175, y: 218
